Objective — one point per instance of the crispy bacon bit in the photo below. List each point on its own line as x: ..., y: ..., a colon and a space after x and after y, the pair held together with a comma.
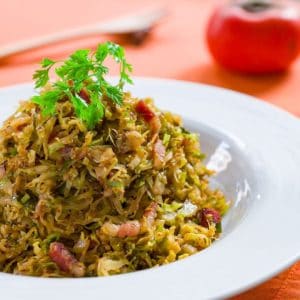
x: 65, y: 260
x: 159, y: 153
x: 150, y: 117
x: 207, y: 216
x: 155, y: 127
x: 129, y: 229
x: 83, y: 94
x: 40, y: 209
x: 143, y: 109
x: 150, y: 213
x: 132, y: 228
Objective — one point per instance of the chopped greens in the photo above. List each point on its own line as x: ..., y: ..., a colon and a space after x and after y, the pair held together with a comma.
x: 25, y: 198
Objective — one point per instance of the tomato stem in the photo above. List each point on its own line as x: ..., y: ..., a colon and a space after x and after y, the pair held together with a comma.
x: 255, y: 6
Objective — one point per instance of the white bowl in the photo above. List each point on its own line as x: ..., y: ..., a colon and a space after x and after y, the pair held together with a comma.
x: 260, y: 235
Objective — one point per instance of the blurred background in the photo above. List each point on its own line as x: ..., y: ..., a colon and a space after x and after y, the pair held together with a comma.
x: 175, y: 48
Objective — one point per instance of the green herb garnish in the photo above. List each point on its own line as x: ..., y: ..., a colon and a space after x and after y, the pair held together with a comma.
x: 86, y: 71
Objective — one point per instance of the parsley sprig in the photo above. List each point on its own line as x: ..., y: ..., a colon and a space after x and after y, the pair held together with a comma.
x: 83, y: 70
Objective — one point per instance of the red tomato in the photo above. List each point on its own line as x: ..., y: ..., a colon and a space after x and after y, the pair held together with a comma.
x: 255, y: 36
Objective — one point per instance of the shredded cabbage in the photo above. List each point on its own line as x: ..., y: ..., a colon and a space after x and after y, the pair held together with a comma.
x: 119, y: 198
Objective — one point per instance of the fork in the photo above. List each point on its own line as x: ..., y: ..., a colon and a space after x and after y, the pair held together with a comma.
x: 138, y: 24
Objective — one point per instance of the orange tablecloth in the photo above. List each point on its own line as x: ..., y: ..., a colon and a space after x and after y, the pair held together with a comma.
x: 175, y: 49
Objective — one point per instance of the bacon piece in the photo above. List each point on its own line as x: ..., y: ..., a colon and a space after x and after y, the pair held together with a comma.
x: 159, y: 153
x: 150, y: 213
x: 155, y: 125
x: 40, y: 209
x: 150, y: 117
x: 143, y: 109
x: 65, y: 260
x: 208, y: 215
x: 130, y: 228
x: 127, y: 229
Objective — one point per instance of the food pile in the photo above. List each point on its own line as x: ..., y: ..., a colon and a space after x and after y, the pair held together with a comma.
x: 95, y: 182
